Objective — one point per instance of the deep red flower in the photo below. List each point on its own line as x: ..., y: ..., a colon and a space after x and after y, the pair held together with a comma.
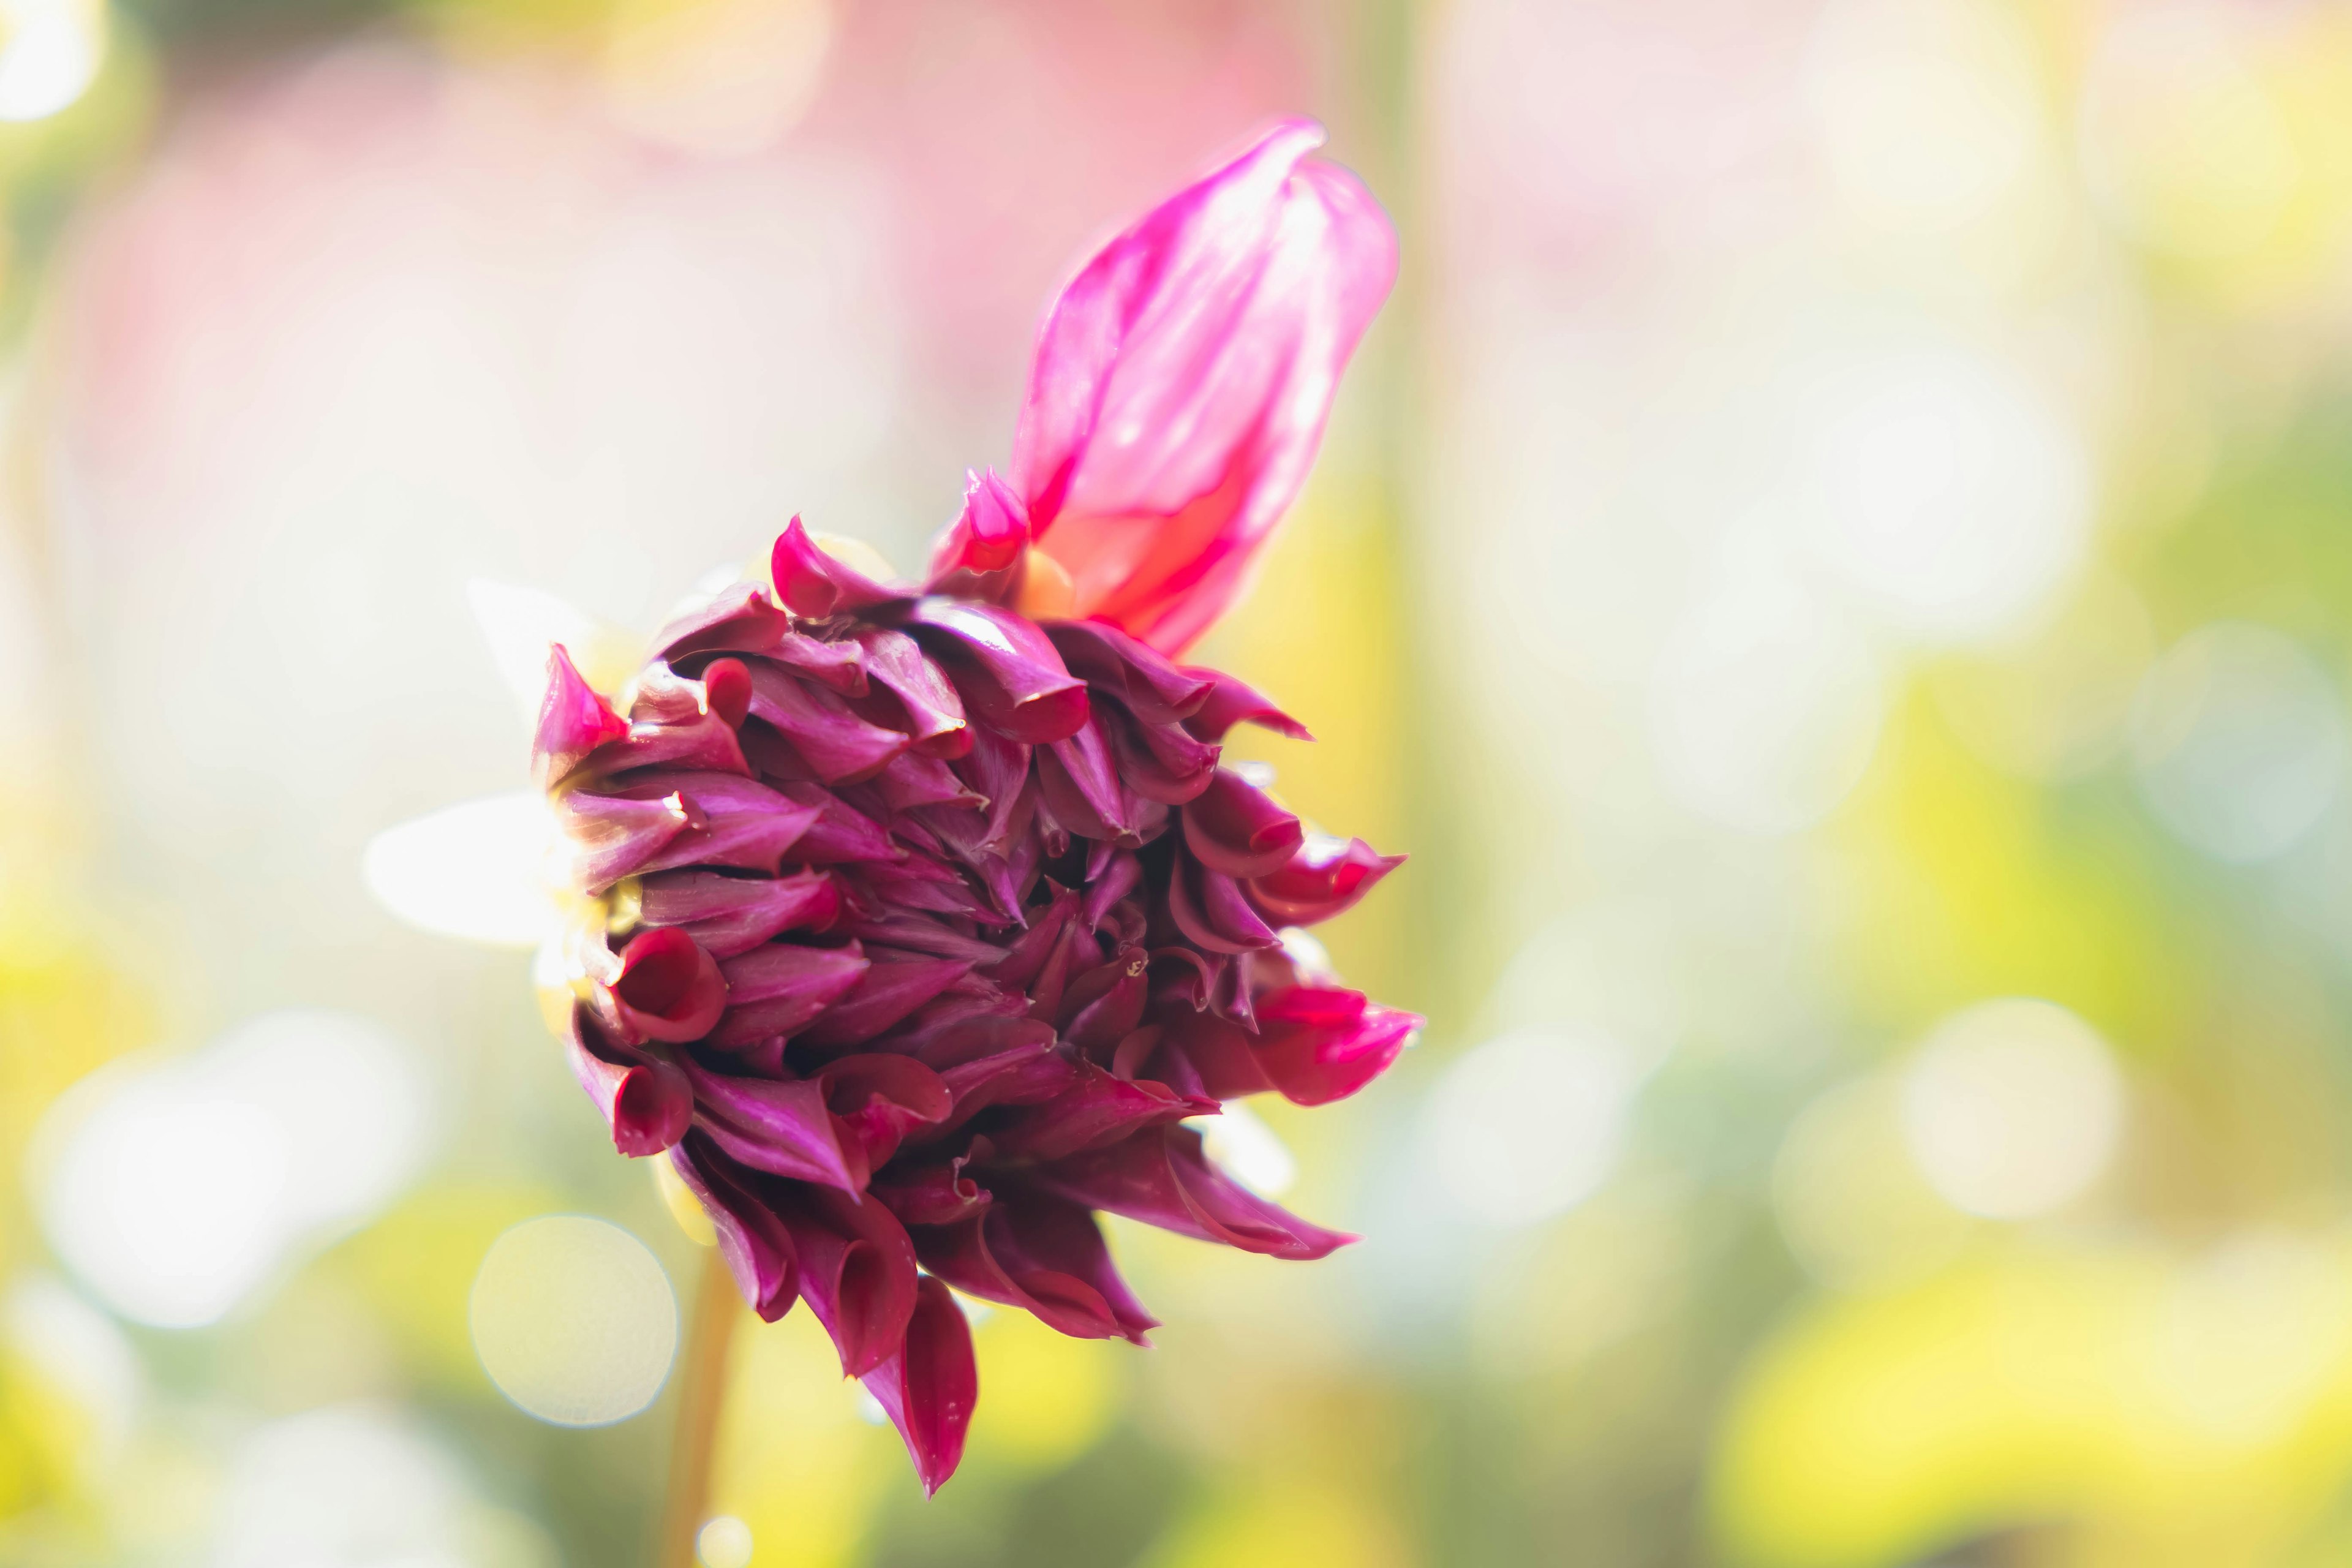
x: 927, y: 924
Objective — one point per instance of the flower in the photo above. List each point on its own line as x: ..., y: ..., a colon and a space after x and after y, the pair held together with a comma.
x: 912, y: 923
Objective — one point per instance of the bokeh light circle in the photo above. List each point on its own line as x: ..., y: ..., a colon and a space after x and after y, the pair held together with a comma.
x: 1531, y: 1123
x: 573, y: 1320
x: 724, y: 1542
x: 1764, y: 709
x: 2012, y: 1108
x: 2239, y: 740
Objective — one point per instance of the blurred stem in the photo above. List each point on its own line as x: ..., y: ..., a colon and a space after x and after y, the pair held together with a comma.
x: 701, y: 1399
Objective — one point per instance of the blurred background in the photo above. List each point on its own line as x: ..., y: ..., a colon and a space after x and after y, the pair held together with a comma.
x: 1836, y: 561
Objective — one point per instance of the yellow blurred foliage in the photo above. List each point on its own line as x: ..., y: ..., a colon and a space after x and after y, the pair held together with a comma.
x: 2173, y: 1402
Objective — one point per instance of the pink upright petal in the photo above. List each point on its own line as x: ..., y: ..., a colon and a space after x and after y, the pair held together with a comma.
x: 1183, y: 381
x: 988, y: 536
x: 573, y: 721
x: 812, y: 584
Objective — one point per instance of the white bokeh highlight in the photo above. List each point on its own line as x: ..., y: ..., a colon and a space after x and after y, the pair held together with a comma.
x: 1765, y: 707
x: 574, y: 1320
x: 1941, y: 489
x: 174, y: 1189
x: 1530, y: 1124
x: 2011, y: 1108
x: 2238, y: 740
x: 480, y: 870
x: 356, y: 1486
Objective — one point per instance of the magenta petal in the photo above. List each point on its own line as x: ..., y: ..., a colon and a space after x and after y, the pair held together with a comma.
x: 741, y: 618
x: 1235, y: 827
x: 881, y: 1097
x: 781, y: 989
x: 857, y: 1271
x: 1155, y: 690
x: 573, y: 721
x: 1314, y: 1044
x: 781, y: 1126
x: 928, y: 1385
x: 1039, y: 1234
x: 885, y: 994
x: 1159, y: 761
x: 838, y: 834
x: 1324, y: 877
x: 1233, y: 702
x: 836, y: 741
x: 752, y: 1237
x: 1006, y: 669
x: 1095, y: 1113
x: 646, y: 1099
x: 926, y: 702
x: 611, y: 836
x: 735, y: 822
x: 663, y: 987
x: 1183, y: 377
x: 813, y: 585
x: 838, y: 667
x: 1160, y: 1177
x: 987, y: 536
x: 1209, y: 908
x: 938, y: 1193
x: 729, y: 915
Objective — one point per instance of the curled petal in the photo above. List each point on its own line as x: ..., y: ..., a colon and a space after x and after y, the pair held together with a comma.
x: 1080, y: 785
x: 914, y: 780
x: 928, y: 1385
x: 884, y: 994
x: 916, y: 696
x: 1314, y: 1044
x: 782, y: 1126
x: 1160, y: 762
x: 938, y: 1194
x: 1155, y: 690
x: 732, y: 821
x: 573, y: 721
x: 1042, y: 1255
x: 1231, y: 702
x: 857, y: 1271
x: 730, y: 915
x: 1324, y: 876
x: 752, y: 1237
x: 988, y: 535
x: 739, y: 618
x: 838, y: 834
x: 1209, y: 908
x: 1094, y: 1112
x: 611, y: 836
x: 880, y: 1099
x: 781, y: 988
x: 1005, y: 668
x: 646, y: 1099
x: 837, y: 743
x: 838, y: 667
x: 1235, y: 827
x: 1161, y: 1178
x: 663, y: 987
x: 1183, y: 377
x: 813, y: 585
